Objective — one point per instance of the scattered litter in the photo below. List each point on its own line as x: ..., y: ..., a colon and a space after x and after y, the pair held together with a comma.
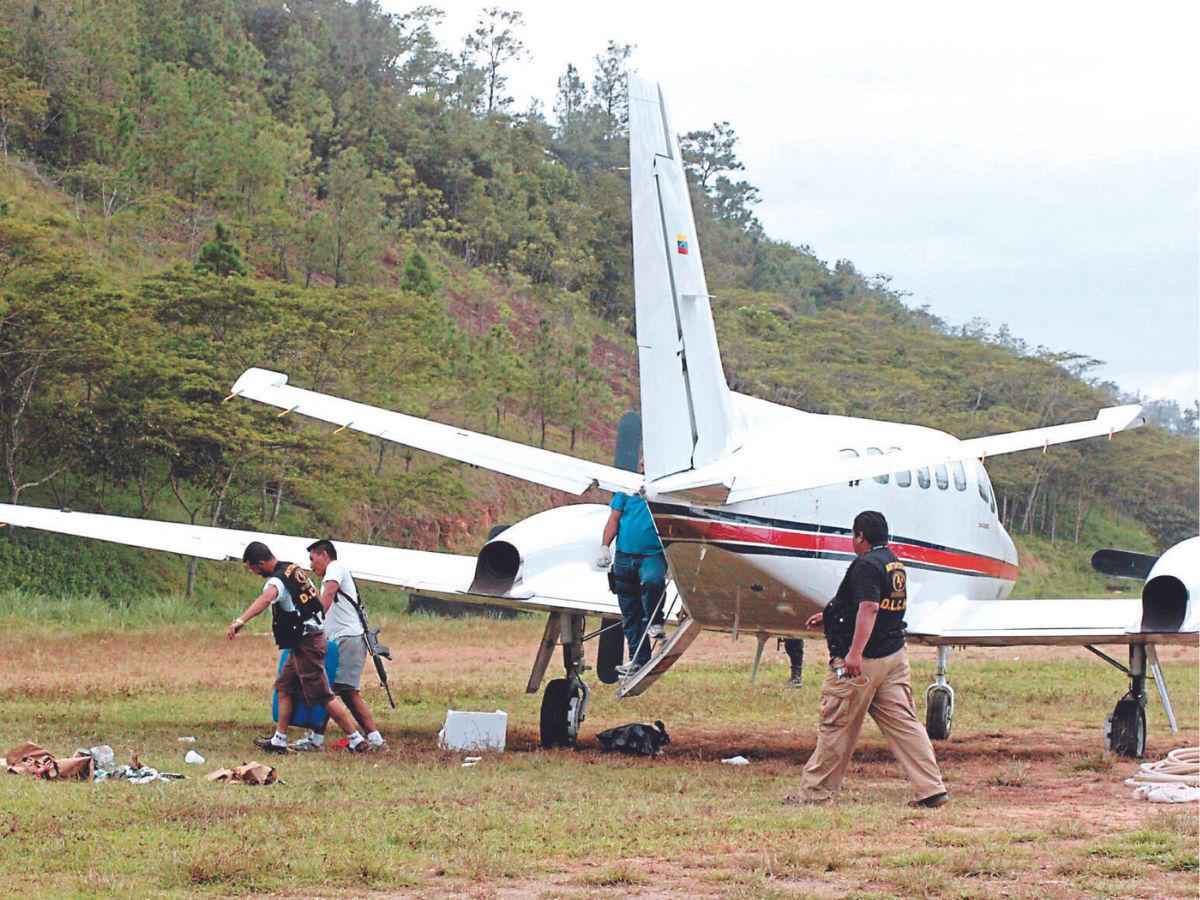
x: 193, y: 758
x: 247, y: 773
x: 471, y: 761
x: 636, y: 739
x: 1173, y: 779
x: 1166, y: 793
x: 136, y: 775
x: 736, y: 761
x: 474, y: 730
x: 189, y: 739
x: 102, y: 755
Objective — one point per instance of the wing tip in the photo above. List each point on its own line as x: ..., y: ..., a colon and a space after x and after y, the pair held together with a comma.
x: 256, y: 377
x: 1119, y: 418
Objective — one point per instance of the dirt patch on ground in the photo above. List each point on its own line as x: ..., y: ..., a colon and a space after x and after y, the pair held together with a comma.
x: 1037, y: 808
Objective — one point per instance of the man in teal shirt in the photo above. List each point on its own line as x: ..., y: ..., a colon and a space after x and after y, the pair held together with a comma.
x: 639, y: 575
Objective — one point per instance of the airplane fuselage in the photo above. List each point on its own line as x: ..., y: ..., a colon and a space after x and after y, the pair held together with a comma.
x: 770, y: 563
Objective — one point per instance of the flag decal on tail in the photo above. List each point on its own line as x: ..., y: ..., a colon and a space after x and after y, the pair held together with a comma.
x: 681, y: 243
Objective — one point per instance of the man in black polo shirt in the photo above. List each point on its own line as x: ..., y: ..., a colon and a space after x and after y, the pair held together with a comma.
x: 868, y: 672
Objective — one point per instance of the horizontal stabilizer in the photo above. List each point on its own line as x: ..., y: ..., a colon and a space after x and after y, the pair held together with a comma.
x: 753, y: 486
x: 555, y: 470
x: 1123, y: 563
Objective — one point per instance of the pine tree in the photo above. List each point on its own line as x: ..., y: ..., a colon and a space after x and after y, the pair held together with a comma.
x: 417, y: 277
x: 221, y: 255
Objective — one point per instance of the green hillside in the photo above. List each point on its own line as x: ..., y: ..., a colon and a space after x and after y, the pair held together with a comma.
x: 188, y: 189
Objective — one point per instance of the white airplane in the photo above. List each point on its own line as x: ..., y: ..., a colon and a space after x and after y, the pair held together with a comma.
x: 752, y: 500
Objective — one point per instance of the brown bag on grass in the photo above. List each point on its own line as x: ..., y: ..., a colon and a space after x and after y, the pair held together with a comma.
x: 247, y: 773
x: 33, y: 759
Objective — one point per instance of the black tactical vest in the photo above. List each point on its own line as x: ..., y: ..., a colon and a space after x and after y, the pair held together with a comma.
x: 289, y: 626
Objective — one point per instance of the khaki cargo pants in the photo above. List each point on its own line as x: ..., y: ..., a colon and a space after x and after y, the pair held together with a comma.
x: 883, y: 690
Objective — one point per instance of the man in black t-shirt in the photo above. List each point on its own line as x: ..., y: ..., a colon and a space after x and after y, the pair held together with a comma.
x: 868, y: 673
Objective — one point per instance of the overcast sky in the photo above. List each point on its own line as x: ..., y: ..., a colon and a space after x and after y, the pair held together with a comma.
x: 1035, y: 164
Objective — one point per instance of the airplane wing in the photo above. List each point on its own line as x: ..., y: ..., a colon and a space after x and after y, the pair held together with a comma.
x: 837, y: 471
x: 960, y: 621
x: 570, y: 584
x: 556, y: 470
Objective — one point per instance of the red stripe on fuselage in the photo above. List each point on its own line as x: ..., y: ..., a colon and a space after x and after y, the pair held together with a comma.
x: 673, y: 528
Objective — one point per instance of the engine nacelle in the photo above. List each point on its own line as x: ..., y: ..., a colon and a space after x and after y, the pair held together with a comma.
x: 565, y: 541
x: 1169, y: 597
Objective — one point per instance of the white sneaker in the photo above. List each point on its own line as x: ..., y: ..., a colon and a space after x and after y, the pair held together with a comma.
x: 307, y: 745
x: 656, y: 632
x: 627, y: 669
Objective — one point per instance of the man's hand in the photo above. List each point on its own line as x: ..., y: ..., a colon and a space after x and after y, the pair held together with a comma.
x: 234, y: 627
x: 604, y: 560
x: 815, y: 621
x: 853, y: 663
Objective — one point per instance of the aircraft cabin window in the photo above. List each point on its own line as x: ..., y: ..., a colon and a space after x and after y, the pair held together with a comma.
x: 923, y: 477
x: 985, y: 486
x: 960, y: 476
x: 943, y: 477
x: 903, y: 479
x: 875, y: 451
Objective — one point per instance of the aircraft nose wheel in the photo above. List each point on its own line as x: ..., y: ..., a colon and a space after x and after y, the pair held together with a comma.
x: 939, y: 700
x: 939, y: 711
x: 563, y: 704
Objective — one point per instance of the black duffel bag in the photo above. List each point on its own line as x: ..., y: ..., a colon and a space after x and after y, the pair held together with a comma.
x: 636, y: 739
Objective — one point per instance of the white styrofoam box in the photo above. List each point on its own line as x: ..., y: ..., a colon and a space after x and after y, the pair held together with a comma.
x: 474, y: 730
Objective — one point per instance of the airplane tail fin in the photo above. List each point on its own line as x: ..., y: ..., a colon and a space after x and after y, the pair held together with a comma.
x: 687, y: 411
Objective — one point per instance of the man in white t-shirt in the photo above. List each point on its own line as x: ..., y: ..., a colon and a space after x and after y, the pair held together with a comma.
x: 343, y: 626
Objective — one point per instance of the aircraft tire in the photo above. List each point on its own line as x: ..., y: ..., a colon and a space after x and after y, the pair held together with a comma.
x: 1126, y: 729
x: 611, y: 651
x: 939, y: 710
x: 556, y: 713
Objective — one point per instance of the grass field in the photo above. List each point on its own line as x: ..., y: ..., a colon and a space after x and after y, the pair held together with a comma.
x: 1038, y: 809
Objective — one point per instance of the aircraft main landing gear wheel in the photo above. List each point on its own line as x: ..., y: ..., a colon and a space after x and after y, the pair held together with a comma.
x: 939, y: 711
x: 562, y: 703
x: 611, y: 652
x: 565, y: 702
x: 1125, y: 728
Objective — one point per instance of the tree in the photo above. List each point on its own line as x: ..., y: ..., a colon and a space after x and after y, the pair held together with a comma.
x: 732, y: 201
x: 546, y: 387
x: 350, y: 233
x: 417, y: 277
x: 707, y: 154
x: 570, y: 100
x: 584, y: 390
x: 57, y: 346
x: 493, y: 43
x: 22, y: 103
x: 221, y: 255
x: 610, y: 85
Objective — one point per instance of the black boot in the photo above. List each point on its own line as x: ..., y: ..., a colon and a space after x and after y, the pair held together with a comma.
x: 797, y: 679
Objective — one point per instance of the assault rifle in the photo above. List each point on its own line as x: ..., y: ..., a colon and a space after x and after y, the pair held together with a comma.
x: 379, y: 652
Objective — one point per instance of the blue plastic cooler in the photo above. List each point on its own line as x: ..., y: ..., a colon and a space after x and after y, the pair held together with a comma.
x: 305, y: 716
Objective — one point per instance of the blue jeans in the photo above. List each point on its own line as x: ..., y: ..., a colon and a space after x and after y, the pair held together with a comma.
x: 641, y: 585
